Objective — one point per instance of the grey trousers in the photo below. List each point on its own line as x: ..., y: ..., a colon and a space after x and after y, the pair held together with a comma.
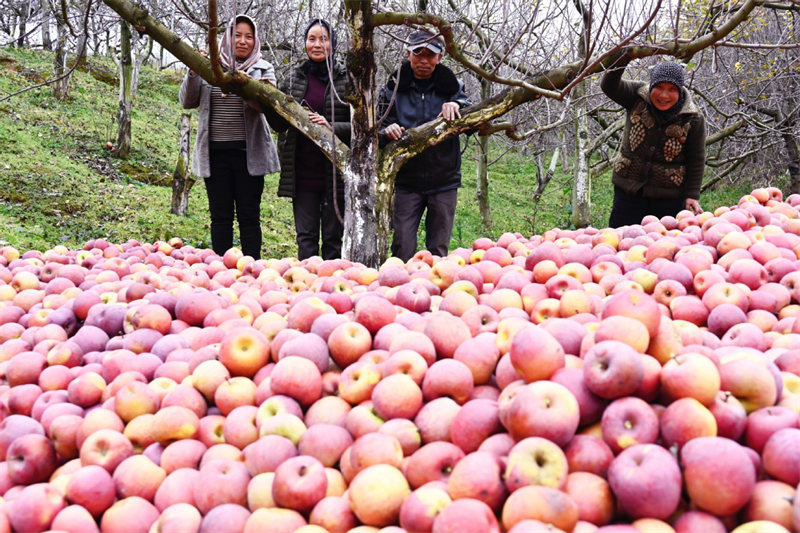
x: 408, y: 209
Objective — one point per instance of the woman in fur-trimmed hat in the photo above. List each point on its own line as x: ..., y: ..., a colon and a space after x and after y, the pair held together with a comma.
x: 659, y: 168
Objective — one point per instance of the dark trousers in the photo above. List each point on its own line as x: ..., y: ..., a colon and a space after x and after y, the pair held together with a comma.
x: 312, y: 211
x: 232, y: 190
x: 629, y: 209
x: 408, y: 209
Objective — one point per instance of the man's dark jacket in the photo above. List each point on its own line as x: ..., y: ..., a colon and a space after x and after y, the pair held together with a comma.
x: 438, y: 168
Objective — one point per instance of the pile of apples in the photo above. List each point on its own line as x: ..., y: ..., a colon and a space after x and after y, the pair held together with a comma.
x: 640, y: 379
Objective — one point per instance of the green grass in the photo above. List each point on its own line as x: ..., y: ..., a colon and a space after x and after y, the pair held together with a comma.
x: 60, y: 185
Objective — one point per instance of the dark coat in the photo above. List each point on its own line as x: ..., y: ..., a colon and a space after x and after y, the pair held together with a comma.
x: 438, y: 168
x: 295, y: 85
x: 662, y: 160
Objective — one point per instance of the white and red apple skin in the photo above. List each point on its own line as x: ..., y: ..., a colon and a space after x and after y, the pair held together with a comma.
x: 143, y: 386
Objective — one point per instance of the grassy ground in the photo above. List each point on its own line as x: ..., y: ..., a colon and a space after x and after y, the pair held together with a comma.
x: 60, y: 185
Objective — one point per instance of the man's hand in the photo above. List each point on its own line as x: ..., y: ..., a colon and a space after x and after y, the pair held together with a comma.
x: 316, y: 118
x: 693, y: 206
x: 450, y: 111
x: 394, y: 131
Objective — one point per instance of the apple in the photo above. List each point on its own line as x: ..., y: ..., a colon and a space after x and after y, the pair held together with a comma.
x: 536, y: 354
x: 133, y: 514
x: 34, y: 508
x: 333, y: 513
x: 545, y: 504
x: 74, y: 519
x: 275, y: 519
x: 686, y: 419
x: 771, y: 500
x: 30, y: 459
x: 435, y: 419
x: 432, y: 462
x: 218, y: 482
x: 324, y: 442
x: 535, y: 461
x: 706, y: 462
x: 447, y: 377
x: 613, y: 369
x: 420, y: 508
x: 300, y: 483
x: 376, y: 494
x: 398, y: 396
x: 177, y: 487
x: 629, y: 421
x: 646, y: 480
x: 544, y: 409
x: 243, y: 351
x: 466, y: 515
x: 780, y: 455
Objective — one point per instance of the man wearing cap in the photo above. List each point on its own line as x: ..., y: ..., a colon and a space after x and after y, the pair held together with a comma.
x: 422, y: 90
x: 659, y: 168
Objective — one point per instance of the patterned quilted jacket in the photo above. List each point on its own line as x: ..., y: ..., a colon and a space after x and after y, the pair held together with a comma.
x: 662, y: 160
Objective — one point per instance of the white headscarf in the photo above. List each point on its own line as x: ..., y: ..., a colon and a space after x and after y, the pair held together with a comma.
x: 229, y: 38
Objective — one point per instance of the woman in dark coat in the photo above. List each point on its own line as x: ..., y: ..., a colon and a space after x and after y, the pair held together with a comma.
x: 660, y: 165
x: 233, y: 149
x: 307, y: 176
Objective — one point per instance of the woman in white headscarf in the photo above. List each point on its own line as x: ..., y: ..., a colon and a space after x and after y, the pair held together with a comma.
x: 233, y: 149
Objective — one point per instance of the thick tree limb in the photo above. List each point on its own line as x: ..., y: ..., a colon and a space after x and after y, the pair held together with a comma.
x: 725, y: 132
x: 237, y: 83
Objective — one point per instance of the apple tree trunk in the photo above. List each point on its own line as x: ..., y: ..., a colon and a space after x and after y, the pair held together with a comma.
x: 482, y: 168
x: 365, y: 234
x: 182, y: 179
x: 47, y: 43
x: 793, y: 151
x: 61, y: 85
x: 581, y: 183
x: 125, y: 85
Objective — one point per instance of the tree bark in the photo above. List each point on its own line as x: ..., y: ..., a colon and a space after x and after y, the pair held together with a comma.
x: 367, y: 200
x: 47, y: 43
x: 793, y: 150
x: 125, y: 83
x: 61, y: 86
x: 23, y: 24
x: 482, y: 169
x: 141, y: 57
x: 182, y: 179
x: 581, y: 177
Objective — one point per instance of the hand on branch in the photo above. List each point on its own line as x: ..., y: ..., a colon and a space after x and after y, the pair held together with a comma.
x: 450, y: 111
x: 394, y: 131
x: 316, y: 118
